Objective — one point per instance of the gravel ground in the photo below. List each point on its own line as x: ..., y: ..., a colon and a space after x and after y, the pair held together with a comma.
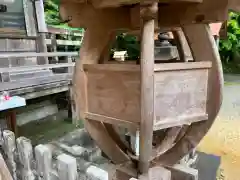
x: 224, y: 137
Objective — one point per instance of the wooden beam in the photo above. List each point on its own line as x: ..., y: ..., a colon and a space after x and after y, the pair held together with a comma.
x: 147, y: 91
x: 36, y: 67
x: 117, y: 3
x: 110, y: 120
x: 181, y: 14
x: 31, y: 92
x: 33, y: 54
x: 64, y: 42
x: 5, y: 86
x: 178, y: 14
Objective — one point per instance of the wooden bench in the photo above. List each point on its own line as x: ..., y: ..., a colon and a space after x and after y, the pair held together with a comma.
x: 23, y: 80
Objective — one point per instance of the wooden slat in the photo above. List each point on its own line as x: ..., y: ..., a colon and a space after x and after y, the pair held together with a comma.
x: 33, y: 54
x: 188, y: 120
x: 54, y: 30
x: 34, y: 81
x: 182, y: 66
x: 11, y: 30
x: 64, y: 42
x: 112, y: 67
x: 116, y: 3
x: 42, y: 27
x: 37, y: 67
x: 110, y: 120
x: 29, y: 18
x: 41, y: 90
x: 107, y: 86
x: 45, y: 91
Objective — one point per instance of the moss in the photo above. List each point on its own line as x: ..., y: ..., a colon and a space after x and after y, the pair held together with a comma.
x: 47, y: 130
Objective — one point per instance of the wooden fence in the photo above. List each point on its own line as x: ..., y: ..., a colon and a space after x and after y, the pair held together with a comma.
x: 27, y: 163
x: 34, y: 67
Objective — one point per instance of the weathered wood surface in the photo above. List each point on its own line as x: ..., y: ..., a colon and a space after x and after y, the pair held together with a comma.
x: 36, y: 67
x: 109, y: 83
x: 171, y: 14
x: 5, y: 86
x: 180, y: 94
x: 94, y: 42
x: 147, y: 86
x: 107, y: 87
x: 39, y: 90
x: 35, y: 54
x: 117, y: 3
x: 196, y: 131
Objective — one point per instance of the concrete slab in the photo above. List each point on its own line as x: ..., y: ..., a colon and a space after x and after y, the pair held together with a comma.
x: 207, y: 166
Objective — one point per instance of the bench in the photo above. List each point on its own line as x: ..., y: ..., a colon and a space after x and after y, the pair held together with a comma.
x: 23, y: 80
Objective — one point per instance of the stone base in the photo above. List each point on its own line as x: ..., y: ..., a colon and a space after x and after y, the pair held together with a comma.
x: 177, y: 172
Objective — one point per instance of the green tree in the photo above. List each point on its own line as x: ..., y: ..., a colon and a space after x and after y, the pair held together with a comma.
x: 230, y: 48
x: 129, y: 43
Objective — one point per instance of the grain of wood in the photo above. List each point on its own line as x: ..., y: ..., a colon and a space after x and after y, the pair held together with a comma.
x: 91, y: 50
x: 199, y: 44
x: 147, y: 91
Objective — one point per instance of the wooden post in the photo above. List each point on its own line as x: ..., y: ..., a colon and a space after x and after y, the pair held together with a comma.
x: 147, y: 88
x: 182, y: 46
x: 54, y: 47
x: 11, y: 121
x: 24, y: 147
x: 42, y: 29
x: 44, y: 162
x: 41, y: 47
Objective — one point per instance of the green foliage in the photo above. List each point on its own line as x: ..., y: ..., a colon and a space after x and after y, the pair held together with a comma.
x: 129, y: 43
x: 52, y: 15
x: 230, y: 47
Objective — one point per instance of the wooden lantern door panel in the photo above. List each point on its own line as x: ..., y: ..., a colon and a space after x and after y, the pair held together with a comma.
x: 180, y: 94
x: 113, y: 93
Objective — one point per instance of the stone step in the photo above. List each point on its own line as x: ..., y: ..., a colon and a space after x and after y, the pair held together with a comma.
x: 79, y: 145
